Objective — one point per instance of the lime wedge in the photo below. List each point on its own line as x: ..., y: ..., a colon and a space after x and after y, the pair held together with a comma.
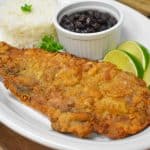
x: 146, y: 76
x: 137, y: 50
x: 125, y: 61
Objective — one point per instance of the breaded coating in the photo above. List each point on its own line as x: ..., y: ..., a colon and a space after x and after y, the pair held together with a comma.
x: 78, y: 95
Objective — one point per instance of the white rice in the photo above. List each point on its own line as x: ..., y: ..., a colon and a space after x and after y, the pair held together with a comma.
x: 25, y: 30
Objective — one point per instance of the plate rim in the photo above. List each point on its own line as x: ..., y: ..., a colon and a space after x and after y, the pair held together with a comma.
x: 53, y: 144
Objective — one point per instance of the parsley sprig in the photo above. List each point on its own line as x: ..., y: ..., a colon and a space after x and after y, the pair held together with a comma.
x: 50, y: 44
x: 26, y: 8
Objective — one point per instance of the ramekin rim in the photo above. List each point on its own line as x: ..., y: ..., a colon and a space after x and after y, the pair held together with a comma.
x: 117, y: 25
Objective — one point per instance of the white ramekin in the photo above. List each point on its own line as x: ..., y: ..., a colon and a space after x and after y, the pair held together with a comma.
x: 89, y: 45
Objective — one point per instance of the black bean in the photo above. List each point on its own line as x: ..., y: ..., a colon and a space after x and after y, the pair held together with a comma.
x: 67, y: 21
x: 64, y: 17
x: 106, y: 15
x: 72, y: 18
x: 96, y: 26
x: 79, y: 25
x: 90, y: 12
x: 103, y: 27
x: 69, y: 26
x: 90, y: 30
x: 88, y: 21
x: 113, y: 21
x: 103, y: 16
x: 76, y: 16
x: 93, y: 20
x: 77, y: 30
x: 97, y: 15
x: 101, y: 21
x: 85, y: 31
x: 82, y: 18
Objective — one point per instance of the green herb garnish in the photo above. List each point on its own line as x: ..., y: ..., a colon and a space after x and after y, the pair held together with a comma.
x: 50, y: 44
x: 26, y: 8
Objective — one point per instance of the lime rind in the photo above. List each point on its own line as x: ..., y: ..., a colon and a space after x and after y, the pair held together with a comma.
x: 122, y: 55
x: 140, y: 70
x: 146, y: 76
x: 136, y: 59
x: 140, y: 55
x: 146, y: 54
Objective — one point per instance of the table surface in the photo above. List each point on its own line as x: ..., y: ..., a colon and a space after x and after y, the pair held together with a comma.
x: 9, y: 140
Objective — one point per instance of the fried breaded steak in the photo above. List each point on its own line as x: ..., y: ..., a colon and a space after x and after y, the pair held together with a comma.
x: 79, y: 96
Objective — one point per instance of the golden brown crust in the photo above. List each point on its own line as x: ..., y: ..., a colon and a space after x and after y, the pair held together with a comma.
x: 79, y: 96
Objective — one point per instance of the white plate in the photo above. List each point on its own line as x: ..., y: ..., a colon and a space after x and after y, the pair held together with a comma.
x: 36, y: 127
